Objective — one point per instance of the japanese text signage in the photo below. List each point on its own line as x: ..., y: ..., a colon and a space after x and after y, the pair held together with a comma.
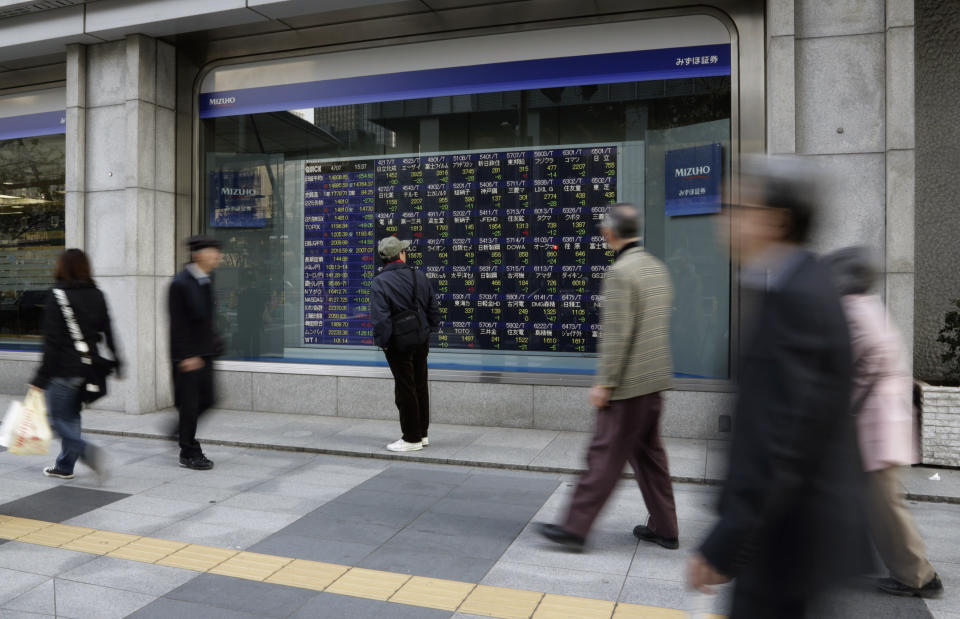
x: 694, y: 180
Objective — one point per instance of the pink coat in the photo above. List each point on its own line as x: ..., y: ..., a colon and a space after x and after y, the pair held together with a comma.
x: 886, y: 424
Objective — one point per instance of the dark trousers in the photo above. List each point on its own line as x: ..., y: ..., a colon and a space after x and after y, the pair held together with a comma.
x: 411, y: 392
x: 63, y: 409
x: 627, y: 431
x: 193, y: 394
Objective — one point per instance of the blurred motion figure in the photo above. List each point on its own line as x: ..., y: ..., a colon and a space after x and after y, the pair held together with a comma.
x: 886, y: 425
x: 791, y: 524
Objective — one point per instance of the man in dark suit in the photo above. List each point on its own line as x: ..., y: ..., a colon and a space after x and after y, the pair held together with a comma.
x: 194, y: 344
x: 791, y: 523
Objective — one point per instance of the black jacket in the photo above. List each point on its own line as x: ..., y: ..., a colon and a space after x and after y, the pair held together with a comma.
x: 392, y: 292
x: 192, y: 329
x: 60, y: 358
x: 790, y: 510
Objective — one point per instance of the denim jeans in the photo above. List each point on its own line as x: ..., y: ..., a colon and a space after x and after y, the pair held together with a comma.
x: 63, y: 408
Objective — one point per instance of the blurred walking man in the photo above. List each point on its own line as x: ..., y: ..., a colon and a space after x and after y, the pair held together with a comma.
x: 790, y: 523
x: 634, y: 367
x: 194, y: 344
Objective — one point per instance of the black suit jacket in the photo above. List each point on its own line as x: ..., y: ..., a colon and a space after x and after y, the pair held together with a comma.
x: 791, y: 507
x: 192, y: 329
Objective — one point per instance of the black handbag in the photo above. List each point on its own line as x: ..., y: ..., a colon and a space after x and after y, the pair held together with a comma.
x: 409, y: 331
x: 97, y: 367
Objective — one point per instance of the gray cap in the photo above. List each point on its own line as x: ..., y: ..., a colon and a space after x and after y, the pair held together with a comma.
x: 390, y: 247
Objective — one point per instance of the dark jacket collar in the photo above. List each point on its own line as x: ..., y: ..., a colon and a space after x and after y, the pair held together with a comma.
x: 393, y: 266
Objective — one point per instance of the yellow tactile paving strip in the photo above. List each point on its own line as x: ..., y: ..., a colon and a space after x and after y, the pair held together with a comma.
x: 448, y: 595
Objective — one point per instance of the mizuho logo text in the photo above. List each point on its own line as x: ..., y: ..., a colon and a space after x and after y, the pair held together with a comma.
x: 222, y: 100
x: 237, y: 191
x: 702, y: 170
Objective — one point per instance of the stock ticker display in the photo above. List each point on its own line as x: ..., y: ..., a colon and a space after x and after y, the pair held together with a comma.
x: 509, y: 240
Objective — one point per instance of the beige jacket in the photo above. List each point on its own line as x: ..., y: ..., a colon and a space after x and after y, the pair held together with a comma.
x: 635, y: 313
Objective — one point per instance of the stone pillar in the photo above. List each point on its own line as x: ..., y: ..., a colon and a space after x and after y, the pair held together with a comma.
x: 121, y: 179
x: 900, y: 166
x: 840, y: 90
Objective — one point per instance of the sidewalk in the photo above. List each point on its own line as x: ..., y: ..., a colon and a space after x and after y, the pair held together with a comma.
x: 691, y: 460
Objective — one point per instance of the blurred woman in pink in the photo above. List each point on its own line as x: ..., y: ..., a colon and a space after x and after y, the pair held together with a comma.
x: 886, y: 425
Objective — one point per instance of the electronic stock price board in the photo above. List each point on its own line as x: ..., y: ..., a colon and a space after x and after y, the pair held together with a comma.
x: 509, y: 240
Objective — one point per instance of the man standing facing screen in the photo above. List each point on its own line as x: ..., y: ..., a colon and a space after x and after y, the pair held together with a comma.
x: 634, y: 367
x: 397, y: 289
x: 194, y: 344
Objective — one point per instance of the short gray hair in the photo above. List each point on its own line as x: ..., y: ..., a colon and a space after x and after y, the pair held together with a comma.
x: 624, y: 219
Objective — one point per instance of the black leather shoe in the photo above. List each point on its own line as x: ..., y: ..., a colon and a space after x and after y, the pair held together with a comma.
x: 561, y: 536
x: 932, y: 589
x: 644, y: 534
x: 197, y: 463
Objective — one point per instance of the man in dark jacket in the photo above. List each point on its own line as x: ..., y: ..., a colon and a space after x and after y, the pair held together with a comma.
x: 194, y: 344
x: 791, y: 523
x: 391, y: 293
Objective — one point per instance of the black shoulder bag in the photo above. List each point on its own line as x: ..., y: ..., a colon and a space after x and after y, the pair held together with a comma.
x: 409, y: 332
x: 98, y: 368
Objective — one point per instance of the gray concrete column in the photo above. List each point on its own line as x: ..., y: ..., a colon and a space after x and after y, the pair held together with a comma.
x: 121, y: 173
x: 900, y: 167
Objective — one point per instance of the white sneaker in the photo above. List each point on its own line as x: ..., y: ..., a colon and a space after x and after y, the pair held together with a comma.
x: 425, y: 441
x: 403, y: 445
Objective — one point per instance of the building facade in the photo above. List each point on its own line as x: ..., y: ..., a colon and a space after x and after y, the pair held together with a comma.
x: 490, y: 133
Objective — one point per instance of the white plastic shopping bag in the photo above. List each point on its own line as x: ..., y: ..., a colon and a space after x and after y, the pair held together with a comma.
x: 30, y: 432
x: 11, y: 421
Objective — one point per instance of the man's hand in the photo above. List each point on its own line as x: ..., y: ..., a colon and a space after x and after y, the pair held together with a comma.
x: 700, y: 574
x: 35, y: 388
x: 191, y: 364
x: 599, y: 396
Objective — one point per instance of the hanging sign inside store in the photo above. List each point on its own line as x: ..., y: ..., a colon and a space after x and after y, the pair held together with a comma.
x: 240, y: 194
x: 694, y: 180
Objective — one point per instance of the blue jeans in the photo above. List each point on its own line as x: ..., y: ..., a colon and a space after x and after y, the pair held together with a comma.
x: 63, y: 408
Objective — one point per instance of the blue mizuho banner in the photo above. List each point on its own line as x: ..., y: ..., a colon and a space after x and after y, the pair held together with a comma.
x: 646, y: 65
x: 694, y: 180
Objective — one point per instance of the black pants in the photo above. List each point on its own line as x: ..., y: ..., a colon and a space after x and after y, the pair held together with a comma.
x: 193, y: 394
x: 411, y: 392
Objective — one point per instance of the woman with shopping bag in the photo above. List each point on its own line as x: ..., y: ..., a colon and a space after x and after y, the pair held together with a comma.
x: 73, y: 371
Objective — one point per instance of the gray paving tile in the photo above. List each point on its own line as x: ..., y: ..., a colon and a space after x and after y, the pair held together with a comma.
x: 41, y: 599
x: 190, y: 493
x: 651, y: 592
x: 40, y: 559
x: 314, y: 475
x: 342, y: 530
x: 449, y: 524
x: 19, y: 614
x: 258, y: 598
x: 332, y: 605
x: 607, y: 552
x: 82, y: 601
x: 449, y: 475
x: 165, y: 608
x: 386, y: 515
x: 224, y: 536
x: 313, y: 549
x: 377, y: 499
x: 59, y: 503
x: 14, y: 583
x: 561, y: 581
x: 285, y: 488
x: 243, y: 518
x: 483, y: 509
x: 950, y: 602
x: 479, y: 546
x: 500, y: 493
x: 216, y: 479
x: 566, y: 451
x: 159, y: 507
x: 686, y: 457
x: 155, y: 580
x: 276, y: 503
x: 496, y: 454
x: 428, y: 563
x: 121, y: 522
x: 407, y: 485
